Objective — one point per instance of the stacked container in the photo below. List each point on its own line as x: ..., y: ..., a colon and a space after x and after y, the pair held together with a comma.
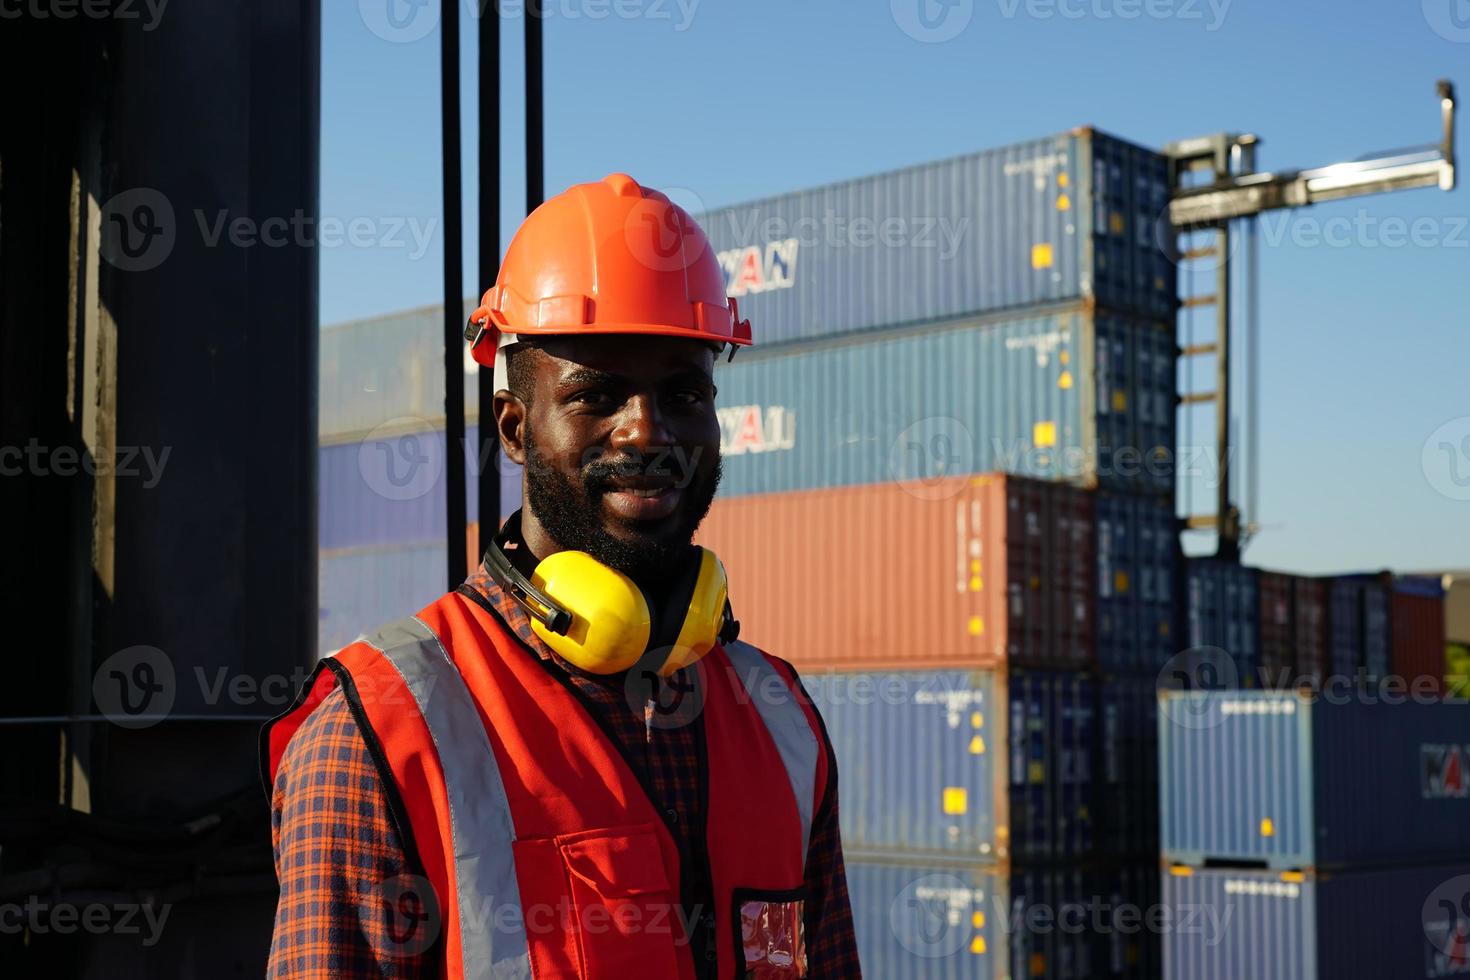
x: 947, y: 498
x: 381, y: 465
x: 1322, y: 836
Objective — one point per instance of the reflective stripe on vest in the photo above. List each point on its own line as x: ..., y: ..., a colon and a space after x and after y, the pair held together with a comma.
x: 484, y: 863
x: 787, y: 723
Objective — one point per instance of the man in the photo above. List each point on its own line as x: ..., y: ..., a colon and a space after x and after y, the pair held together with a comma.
x: 571, y: 766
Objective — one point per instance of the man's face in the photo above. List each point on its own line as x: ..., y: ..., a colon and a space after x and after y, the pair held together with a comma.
x: 621, y: 446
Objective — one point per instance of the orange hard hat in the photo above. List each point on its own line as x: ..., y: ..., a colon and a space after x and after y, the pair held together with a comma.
x: 607, y: 257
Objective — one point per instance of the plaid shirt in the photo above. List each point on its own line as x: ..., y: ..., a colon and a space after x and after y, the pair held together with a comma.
x: 336, y: 843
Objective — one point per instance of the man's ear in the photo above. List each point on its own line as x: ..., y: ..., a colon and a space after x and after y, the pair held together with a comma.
x: 510, y: 421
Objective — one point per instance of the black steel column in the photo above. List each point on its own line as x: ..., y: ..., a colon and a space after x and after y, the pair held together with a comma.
x: 488, y: 442
x: 454, y: 467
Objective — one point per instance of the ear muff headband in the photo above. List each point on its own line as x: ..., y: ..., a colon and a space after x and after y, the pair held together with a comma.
x: 598, y: 619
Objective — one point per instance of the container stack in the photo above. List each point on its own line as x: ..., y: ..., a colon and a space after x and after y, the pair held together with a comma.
x: 948, y: 500
x: 1308, y: 837
x: 380, y: 470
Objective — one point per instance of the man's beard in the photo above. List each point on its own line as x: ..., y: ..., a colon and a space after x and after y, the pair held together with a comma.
x: 569, y: 508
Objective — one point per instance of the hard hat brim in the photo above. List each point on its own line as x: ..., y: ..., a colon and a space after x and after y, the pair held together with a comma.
x: 649, y: 329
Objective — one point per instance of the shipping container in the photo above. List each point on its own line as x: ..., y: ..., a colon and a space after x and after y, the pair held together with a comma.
x: 1070, y: 217
x: 1389, y: 924
x: 363, y: 588
x: 1357, y: 616
x: 1297, y: 780
x: 1128, y: 768
x: 1457, y: 605
x: 1293, y: 638
x: 1137, y: 562
x: 388, y: 370
x: 963, y: 572
x: 1074, y: 396
x: 965, y: 920
x: 388, y: 488
x: 1126, y: 947
x: 1222, y: 611
x: 1416, y: 612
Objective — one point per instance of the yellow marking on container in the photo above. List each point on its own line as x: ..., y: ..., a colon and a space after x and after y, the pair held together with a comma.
x: 1064, y: 382
x: 1064, y: 203
x: 975, y: 565
x: 1268, y: 828
x: 1120, y: 581
x: 977, y: 746
x: 1163, y: 629
x: 1064, y: 356
x: 956, y: 800
x: 1044, y: 434
x: 1062, y: 178
x: 1035, y: 772
x: 1294, y: 877
x: 1038, y: 964
x: 1158, y: 282
x: 1120, y: 401
x: 1041, y: 255
x: 1180, y: 871
x: 977, y: 625
x: 975, y: 584
x: 1115, y: 223
x: 977, y: 945
x: 977, y: 920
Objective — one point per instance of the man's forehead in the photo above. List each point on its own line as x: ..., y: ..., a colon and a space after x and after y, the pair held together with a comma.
x: 632, y: 356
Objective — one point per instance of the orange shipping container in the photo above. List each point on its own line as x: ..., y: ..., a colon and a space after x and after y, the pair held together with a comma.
x: 962, y: 572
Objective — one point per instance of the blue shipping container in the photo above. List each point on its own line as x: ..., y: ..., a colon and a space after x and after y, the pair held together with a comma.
x: 1137, y: 562
x: 361, y: 589
x: 387, y: 488
x: 1223, y: 610
x: 964, y: 764
x: 1358, y: 628
x: 1394, y: 924
x: 1069, y: 395
x: 1295, y: 780
x: 971, y: 921
x: 1064, y: 218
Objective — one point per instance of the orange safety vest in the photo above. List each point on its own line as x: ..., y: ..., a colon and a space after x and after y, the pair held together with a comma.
x: 545, y: 853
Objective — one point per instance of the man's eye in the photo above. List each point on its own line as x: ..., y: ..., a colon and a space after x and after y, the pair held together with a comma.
x: 592, y: 398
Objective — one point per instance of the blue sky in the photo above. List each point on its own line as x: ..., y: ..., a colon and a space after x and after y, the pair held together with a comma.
x: 1364, y: 354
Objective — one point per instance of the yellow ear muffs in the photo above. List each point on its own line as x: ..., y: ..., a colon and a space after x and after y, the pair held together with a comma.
x: 706, y: 616
x: 610, y: 620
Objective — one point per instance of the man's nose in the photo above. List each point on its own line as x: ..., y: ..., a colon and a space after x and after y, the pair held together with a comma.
x: 641, y: 425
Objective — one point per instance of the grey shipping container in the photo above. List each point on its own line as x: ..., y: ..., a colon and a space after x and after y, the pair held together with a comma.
x: 1223, y: 610
x: 1296, y: 780
x: 1137, y: 563
x: 965, y: 920
x: 1387, y: 924
x: 963, y: 764
x: 1069, y: 395
x: 1070, y: 217
x: 362, y: 588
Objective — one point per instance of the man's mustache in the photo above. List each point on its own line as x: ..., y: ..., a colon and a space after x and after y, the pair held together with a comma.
x: 679, y: 463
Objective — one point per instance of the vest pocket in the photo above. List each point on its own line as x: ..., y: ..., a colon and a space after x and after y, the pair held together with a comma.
x: 770, y: 933
x: 626, y: 915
